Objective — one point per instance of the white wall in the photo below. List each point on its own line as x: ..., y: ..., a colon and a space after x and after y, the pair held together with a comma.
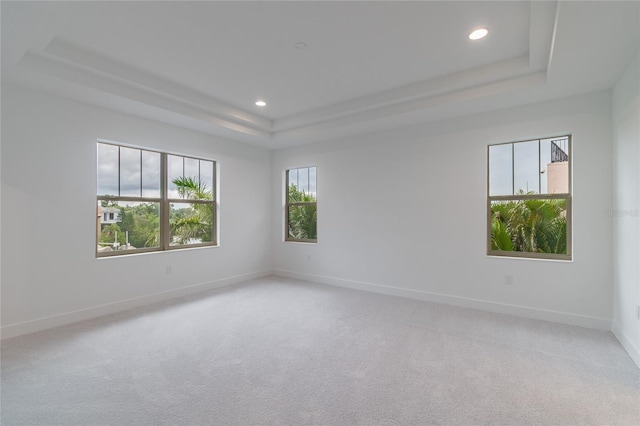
x: 400, y: 212
x: 626, y: 211
x: 50, y: 274
x: 404, y: 212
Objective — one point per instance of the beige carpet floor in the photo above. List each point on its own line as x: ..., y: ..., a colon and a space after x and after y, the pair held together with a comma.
x: 283, y: 352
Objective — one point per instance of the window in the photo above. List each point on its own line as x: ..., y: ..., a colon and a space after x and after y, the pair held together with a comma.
x: 153, y: 201
x: 301, y: 213
x: 529, y: 199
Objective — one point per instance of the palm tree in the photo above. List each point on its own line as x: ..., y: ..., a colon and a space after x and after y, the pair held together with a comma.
x: 196, y: 224
x: 192, y: 188
x: 529, y: 225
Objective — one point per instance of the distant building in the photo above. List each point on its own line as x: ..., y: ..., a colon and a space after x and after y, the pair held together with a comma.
x: 557, y: 177
x: 109, y: 215
x: 558, y: 170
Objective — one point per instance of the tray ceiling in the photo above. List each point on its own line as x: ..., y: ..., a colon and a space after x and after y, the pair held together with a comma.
x: 364, y: 66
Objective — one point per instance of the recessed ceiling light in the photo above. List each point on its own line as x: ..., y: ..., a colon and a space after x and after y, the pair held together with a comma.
x: 261, y: 103
x: 301, y: 45
x: 478, y: 34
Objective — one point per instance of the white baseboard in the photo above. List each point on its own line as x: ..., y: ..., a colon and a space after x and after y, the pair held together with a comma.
x: 18, y: 329
x: 485, y: 305
x: 626, y: 343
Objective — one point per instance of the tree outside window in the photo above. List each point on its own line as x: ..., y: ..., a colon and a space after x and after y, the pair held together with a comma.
x: 301, y: 214
x: 529, y: 199
x: 153, y: 201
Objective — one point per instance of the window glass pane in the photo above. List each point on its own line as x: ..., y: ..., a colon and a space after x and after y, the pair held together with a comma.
x: 150, y: 174
x: 535, y: 226
x: 545, y: 160
x: 293, y: 178
x: 126, y: 226
x: 526, y: 167
x: 192, y: 168
x: 312, y: 181
x: 500, y: 170
x: 107, y: 169
x: 206, y: 175
x: 301, y: 192
x: 554, y: 165
x: 303, y: 180
x: 190, y: 186
x: 190, y: 223
x: 174, y: 171
x: 190, y: 189
x: 302, y: 184
x: 302, y: 222
x: 130, y: 172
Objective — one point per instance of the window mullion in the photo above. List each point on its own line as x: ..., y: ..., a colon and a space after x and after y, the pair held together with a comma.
x: 539, y: 167
x: 119, y: 172
x: 513, y: 171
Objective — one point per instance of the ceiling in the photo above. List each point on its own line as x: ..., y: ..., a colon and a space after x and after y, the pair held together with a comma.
x: 364, y: 66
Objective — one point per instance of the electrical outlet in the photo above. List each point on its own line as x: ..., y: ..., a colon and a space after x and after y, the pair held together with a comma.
x: 638, y: 311
x: 169, y: 269
x: 508, y: 279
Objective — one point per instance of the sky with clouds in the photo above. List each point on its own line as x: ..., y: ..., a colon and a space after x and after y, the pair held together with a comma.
x: 137, y: 172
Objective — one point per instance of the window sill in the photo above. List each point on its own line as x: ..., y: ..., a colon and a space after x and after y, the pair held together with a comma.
x: 146, y: 253
x: 530, y: 256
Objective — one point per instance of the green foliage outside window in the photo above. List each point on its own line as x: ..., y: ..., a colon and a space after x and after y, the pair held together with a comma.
x: 529, y: 225
x: 140, y: 223
x: 193, y: 223
x: 303, y: 218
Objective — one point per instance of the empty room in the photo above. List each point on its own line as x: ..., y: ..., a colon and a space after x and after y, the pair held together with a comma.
x: 320, y: 213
